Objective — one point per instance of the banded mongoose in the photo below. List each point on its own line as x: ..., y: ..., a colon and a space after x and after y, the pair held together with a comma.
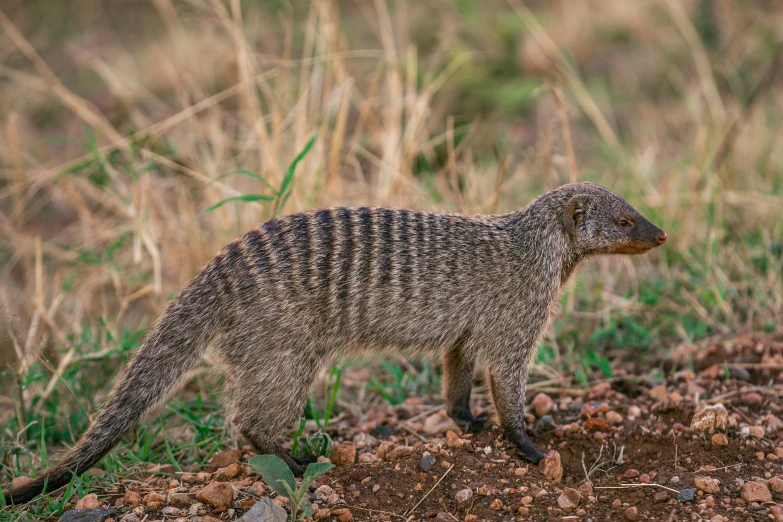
x: 298, y: 289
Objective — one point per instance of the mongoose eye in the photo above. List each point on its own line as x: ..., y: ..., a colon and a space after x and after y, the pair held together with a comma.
x: 624, y: 223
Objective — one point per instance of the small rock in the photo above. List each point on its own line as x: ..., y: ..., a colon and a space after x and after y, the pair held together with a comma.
x: 344, y: 454
x: 617, y: 503
x: 496, y: 505
x: 569, y: 499
x: 756, y: 492
x: 359, y: 474
x: 659, y: 393
x: 453, y: 440
x: 179, y: 497
x: 368, y: 458
x: 634, y: 411
x: 129, y: 517
x: 427, y: 460
x: 171, y: 511
x: 739, y: 373
x: 545, y: 423
x: 259, y: 488
x: 471, y: 518
x: 599, y: 390
x: 631, y: 474
x: 614, y: 418
x: 322, y: 514
x: 675, y: 480
x: 463, y: 496
x: 131, y: 498
x: 631, y: 513
x: 686, y: 495
x: 777, y: 512
x: 217, y: 494
x: 711, y: 419
x: 644, y: 478
x: 384, y: 448
x: 265, y: 510
x: 383, y: 430
x: 752, y: 398
x: 527, y: 500
x: 775, y: 484
x: 323, y: 492
x: 223, y: 458
x: 520, y: 472
x: 18, y: 482
x: 88, y: 502
x: 757, y: 431
x: 542, y: 404
x: 88, y: 515
x: 154, y: 499
x: 595, y: 424
x: 720, y: 440
x: 399, y: 452
x: 661, y: 496
x: 343, y: 514
x: 707, y: 484
x: 551, y: 467
x: 227, y: 473
x: 587, y: 411
x: 438, y: 423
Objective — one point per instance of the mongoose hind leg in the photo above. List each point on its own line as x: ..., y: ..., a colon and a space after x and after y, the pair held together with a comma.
x: 507, y: 384
x: 267, y: 395
x: 458, y: 365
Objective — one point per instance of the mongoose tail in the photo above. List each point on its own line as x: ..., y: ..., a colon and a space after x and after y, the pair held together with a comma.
x: 173, y: 346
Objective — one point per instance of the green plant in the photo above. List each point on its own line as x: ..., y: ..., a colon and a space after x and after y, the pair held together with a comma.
x: 319, y: 444
x: 278, y: 477
x: 281, y: 195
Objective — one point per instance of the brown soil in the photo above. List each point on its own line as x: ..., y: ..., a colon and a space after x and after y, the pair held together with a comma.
x: 661, y: 456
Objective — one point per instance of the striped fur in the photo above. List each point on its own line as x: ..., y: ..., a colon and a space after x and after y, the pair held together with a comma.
x: 299, y: 289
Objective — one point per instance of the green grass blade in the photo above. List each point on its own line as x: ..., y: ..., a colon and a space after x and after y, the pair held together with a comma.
x: 284, y: 192
x: 248, y: 174
x: 244, y: 198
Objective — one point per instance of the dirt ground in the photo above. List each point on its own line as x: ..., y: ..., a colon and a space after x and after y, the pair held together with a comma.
x: 629, y: 448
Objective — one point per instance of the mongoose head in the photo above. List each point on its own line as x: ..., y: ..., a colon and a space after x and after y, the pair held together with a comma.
x: 599, y: 221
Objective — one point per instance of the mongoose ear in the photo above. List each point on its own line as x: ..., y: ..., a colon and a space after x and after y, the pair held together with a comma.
x: 574, y: 210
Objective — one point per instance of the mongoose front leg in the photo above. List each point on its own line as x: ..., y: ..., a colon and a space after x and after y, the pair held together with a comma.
x: 507, y: 384
x: 458, y: 365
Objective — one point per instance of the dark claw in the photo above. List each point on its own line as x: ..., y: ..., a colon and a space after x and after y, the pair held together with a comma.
x: 526, y: 447
x: 536, y: 457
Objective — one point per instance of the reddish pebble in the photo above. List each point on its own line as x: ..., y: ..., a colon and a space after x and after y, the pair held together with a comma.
x: 644, y: 478
x: 631, y: 474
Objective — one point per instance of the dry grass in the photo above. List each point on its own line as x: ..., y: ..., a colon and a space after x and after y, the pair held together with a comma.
x: 422, y: 106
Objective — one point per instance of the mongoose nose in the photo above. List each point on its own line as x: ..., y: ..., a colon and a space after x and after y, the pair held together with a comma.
x: 661, y: 238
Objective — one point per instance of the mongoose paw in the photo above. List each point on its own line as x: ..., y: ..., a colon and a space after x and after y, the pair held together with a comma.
x: 295, y: 465
x: 538, y: 456
x: 477, y: 424
x: 468, y: 423
x: 305, y: 460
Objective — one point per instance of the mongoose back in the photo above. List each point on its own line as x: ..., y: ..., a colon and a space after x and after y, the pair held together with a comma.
x: 285, y: 296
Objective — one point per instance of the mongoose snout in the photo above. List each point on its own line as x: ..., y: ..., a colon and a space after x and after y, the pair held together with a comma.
x: 297, y: 290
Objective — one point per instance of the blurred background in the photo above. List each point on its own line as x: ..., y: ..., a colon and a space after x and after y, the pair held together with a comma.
x: 124, y: 122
